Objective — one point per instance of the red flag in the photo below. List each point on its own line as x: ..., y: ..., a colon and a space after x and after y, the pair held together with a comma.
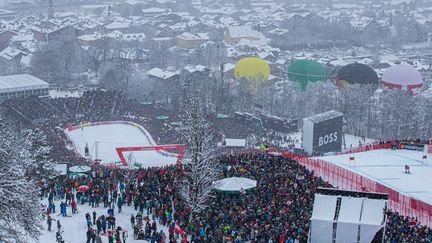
x: 178, y: 229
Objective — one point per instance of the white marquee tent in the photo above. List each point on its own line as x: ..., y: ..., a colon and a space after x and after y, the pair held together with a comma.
x: 346, y: 219
x: 234, y: 184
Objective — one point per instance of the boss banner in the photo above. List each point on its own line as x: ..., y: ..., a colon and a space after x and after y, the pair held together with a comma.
x: 322, y: 133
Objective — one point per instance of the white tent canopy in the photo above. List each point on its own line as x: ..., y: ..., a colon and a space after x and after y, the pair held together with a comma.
x: 358, y: 219
x: 234, y: 184
x: 80, y: 169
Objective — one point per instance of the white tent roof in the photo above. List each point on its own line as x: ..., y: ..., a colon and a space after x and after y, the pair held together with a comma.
x: 79, y: 169
x: 232, y: 142
x: 234, y: 184
x: 21, y: 82
x: 353, y: 212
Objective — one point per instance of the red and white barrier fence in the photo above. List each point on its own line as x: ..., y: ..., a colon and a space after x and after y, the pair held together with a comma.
x: 368, y: 147
x: 345, y: 179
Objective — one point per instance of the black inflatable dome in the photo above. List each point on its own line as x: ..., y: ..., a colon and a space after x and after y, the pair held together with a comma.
x: 357, y: 73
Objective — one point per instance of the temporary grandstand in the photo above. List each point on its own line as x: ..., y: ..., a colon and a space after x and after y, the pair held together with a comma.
x: 12, y: 86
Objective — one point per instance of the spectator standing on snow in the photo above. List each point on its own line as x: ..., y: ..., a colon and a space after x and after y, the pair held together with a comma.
x: 58, y: 225
x: 93, y: 236
x: 98, y: 238
x: 98, y: 225
x: 63, y: 209
x: 49, y: 222
x: 89, y: 235
x: 132, y: 220
x: 120, y: 204
x: 74, y: 206
x: 113, y: 222
x: 88, y: 220
x: 103, y: 223
x: 110, y: 237
x: 124, y: 236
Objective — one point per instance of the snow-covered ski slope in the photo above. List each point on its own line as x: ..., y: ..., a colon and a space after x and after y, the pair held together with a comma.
x: 103, y: 139
x: 386, y: 167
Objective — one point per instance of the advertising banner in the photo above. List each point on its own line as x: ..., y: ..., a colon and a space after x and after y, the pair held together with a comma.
x: 412, y: 146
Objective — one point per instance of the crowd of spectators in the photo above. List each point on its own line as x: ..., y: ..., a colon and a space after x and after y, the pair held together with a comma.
x: 162, y: 123
x: 53, y: 115
x: 278, y: 209
x: 406, y: 229
x: 114, y: 190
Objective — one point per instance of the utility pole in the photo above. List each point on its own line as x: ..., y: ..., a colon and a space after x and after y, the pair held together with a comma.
x: 96, y: 143
x: 50, y: 9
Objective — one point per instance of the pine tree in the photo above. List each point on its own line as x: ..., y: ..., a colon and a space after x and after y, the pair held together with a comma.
x: 200, y: 165
x: 36, y: 145
x: 18, y: 211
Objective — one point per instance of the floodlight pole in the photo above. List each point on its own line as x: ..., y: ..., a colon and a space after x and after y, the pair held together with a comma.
x: 96, y: 150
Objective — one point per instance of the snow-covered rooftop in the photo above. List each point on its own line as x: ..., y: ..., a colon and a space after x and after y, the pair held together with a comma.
x: 117, y: 25
x: 197, y: 68
x: 323, y: 116
x: 21, y: 82
x: 160, y: 73
x: 231, y: 142
x: 243, y: 32
x: 10, y: 53
x: 198, y: 36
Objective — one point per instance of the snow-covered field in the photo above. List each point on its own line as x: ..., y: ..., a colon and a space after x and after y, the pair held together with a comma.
x: 108, y: 137
x: 74, y: 226
x: 387, y: 167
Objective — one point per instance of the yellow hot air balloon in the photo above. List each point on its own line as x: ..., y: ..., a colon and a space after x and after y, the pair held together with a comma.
x: 254, y: 70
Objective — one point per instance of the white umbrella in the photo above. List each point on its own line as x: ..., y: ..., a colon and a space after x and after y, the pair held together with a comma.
x: 234, y: 184
x: 80, y: 169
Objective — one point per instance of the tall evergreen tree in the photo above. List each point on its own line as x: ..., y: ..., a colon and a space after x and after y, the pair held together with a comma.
x: 19, y: 213
x: 200, y: 165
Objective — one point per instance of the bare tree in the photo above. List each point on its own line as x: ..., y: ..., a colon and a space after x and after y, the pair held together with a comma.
x: 201, y: 167
x: 99, y: 53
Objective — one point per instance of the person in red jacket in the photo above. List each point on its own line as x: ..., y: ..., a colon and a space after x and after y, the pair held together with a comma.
x: 74, y: 206
x: 171, y: 231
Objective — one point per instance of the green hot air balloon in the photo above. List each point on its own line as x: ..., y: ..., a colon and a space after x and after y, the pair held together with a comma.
x: 305, y: 71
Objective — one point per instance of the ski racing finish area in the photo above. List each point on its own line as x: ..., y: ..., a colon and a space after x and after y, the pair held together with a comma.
x: 387, y: 167
x: 103, y: 138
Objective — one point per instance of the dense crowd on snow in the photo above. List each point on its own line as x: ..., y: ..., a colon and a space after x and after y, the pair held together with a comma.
x: 406, y: 229
x: 277, y: 210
